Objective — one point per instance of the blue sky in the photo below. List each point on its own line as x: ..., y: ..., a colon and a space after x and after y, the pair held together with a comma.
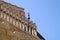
x: 45, y: 13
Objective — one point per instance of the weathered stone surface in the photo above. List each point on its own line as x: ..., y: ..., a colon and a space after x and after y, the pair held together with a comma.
x: 14, y: 25
x: 9, y: 32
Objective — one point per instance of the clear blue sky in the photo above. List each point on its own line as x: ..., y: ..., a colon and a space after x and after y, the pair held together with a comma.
x: 45, y: 13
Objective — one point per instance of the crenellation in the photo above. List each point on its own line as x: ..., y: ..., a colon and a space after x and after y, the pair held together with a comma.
x: 16, y: 16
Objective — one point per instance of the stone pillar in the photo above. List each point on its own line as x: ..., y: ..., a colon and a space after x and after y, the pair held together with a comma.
x: 1, y: 15
x: 14, y: 21
x: 23, y: 26
x: 30, y: 29
x: 7, y: 18
x: 26, y: 29
x: 20, y: 25
x: 32, y: 32
x: 10, y: 19
x: 35, y: 33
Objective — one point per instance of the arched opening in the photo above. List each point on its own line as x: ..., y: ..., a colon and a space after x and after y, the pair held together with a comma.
x: 24, y: 28
x: 31, y: 30
x: 28, y: 28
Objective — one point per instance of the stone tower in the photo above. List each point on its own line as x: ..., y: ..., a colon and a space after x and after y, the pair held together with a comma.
x: 14, y: 25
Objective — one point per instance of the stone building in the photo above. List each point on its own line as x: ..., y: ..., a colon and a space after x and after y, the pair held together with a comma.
x: 14, y: 25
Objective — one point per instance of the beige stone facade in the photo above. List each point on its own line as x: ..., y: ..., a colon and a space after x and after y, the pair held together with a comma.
x: 14, y: 25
